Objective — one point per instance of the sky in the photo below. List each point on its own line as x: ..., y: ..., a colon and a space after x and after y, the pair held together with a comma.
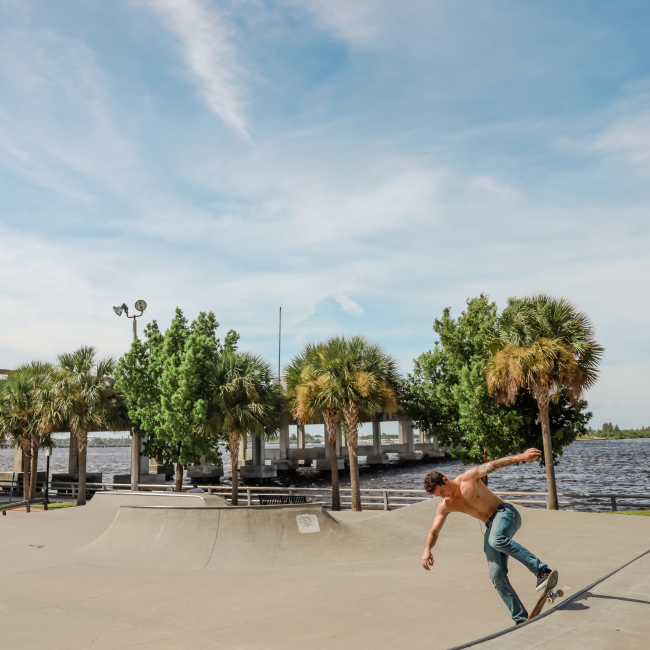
x: 361, y: 163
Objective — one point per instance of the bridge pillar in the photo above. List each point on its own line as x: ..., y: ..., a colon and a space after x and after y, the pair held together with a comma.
x: 406, y: 437
x: 283, y: 464
x: 376, y: 458
x: 258, y: 468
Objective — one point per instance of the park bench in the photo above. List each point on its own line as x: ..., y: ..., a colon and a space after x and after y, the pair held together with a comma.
x: 281, y: 499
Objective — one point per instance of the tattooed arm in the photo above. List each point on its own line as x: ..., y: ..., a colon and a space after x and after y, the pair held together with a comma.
x: 493, y: 465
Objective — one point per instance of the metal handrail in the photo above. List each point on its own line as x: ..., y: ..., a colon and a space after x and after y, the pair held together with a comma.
x: 390, y: 496
x: 19, y: 504
x: 261, y: 488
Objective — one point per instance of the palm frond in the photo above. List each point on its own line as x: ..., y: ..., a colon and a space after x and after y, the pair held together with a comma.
x: 542, y: 341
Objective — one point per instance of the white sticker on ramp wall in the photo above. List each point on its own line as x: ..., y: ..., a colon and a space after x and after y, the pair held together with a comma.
x: 308, y: 523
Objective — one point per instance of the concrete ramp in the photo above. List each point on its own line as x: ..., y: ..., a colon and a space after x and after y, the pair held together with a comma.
x: 175, y: 538
x: 246, y: 538
x: 280, y: 537
x: 226, y: 537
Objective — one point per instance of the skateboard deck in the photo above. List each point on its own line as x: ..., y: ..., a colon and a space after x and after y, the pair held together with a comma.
x: 548, y: 595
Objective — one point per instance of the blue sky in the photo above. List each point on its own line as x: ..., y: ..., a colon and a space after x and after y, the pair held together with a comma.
x: 363, y: 164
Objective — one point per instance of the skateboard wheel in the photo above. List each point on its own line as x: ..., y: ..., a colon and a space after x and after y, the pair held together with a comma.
x: 550, y: 600
x: 560, y: 593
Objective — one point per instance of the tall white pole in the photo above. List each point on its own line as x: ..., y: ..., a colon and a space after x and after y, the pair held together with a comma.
x: 279, y: 344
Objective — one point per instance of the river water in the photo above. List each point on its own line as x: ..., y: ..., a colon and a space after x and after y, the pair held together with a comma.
x: 587, y: 466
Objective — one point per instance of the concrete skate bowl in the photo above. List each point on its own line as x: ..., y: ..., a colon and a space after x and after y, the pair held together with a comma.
x: 101, y: 510
x: 215, y: 538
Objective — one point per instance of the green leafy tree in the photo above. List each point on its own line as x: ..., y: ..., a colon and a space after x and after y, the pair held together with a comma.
x: 242, y: 399
x: 567, y: 417
x: 447, y: 394
x: 138, y: 376
x: 189, y: 356
x: 543, y: 345
x: 166, y: 379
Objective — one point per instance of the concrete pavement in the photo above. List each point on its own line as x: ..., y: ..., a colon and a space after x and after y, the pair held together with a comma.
x: 207, y: 576
x: 613, y: 614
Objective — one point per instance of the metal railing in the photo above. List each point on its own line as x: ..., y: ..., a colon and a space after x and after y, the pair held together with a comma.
x: 20, y: 504
x: 372, y: 498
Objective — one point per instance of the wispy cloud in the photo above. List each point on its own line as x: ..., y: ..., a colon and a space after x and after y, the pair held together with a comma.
x: 80, y: 145
x: 627, y: 138
x: 370, y: 23
x: 347, y: 304
x: 209, y: 55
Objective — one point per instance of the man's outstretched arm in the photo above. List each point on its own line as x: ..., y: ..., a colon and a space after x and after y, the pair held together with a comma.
x: 493, y: 465
x: 432, y: 535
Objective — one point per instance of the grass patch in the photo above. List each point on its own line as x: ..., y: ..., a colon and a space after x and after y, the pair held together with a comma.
x: 640, y: 513
x: 52, y: 506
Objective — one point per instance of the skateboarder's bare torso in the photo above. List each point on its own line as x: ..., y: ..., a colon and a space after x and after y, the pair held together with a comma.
x: 468, y: 493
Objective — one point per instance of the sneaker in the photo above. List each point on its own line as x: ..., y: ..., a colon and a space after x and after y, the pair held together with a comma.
x: 542, y: 579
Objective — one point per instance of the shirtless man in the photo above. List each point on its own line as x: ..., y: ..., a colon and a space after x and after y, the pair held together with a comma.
x: 468, y: 493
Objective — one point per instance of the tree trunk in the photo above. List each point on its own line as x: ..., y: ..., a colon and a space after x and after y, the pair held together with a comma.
x: 27, y: 457
x: 179, y: 477
x: 551, y: 501
x: 82, y: 439
x: 331, y: 420
x: 352, y: 420
x: 34, y: 472
x: 354, y: 474
x: 234, y: 462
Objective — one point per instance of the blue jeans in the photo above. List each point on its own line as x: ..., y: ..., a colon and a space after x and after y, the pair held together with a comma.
x: 498, y: 545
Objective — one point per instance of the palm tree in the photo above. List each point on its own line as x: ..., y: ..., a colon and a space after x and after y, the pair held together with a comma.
x: 543, y: 345
x: 81, y: 394
x: 243, y: 399
x: 309, y: 400
x: 41, y: 428
x: 17, y: 416
x: 20, y: 418
x: 360, y: 379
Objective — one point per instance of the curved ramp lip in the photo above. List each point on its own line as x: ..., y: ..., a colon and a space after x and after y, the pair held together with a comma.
x: 564, y: 603
x: 122, y: 493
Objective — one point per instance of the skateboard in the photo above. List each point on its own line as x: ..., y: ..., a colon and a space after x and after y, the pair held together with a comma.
x: 548, y: 595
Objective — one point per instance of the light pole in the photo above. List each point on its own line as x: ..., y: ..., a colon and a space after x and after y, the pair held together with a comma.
x: 140, y: 305
x: 48, y: 453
